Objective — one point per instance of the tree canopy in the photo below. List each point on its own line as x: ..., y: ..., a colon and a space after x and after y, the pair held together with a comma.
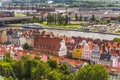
x: 92, y: 72
x: 116, y: 39
x: 35, y: 69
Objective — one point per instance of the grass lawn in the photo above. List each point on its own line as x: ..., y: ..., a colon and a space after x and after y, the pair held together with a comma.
x: 69, y: 26
x: 15, y: 25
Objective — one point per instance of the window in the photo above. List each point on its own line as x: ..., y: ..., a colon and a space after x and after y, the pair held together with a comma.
x: 53, y: 47
x: 116, y: 77
x: 112, y: 77
x: 49, y: 47
x: 77, y: 50
x: 51, y: 53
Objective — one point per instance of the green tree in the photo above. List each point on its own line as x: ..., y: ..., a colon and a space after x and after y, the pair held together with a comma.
x: 52, y: 63
x: 43, y: 33
x: 26, y: 46
x: 37, y: 58
x: 41, y: 20
x: 25, y: 57
x: 28, y: 66
x: 19, y: 69
x: 59, y: 19
x: 6, y: 69
x: 64, y: 68
x: 53, y: 75
x: 80, y: 17
x: 76, y: 16
x: 33, y: 20
x: 49, y: 18
x: 92, y: 72
x: 116, y: 39
x: 93, y: 18
x: 40, y: 71
x: 66, y: 19
x: 7, y: 57
x: 55, y: 18
x: 108, y: 21
x: 118, y: 18
x: 8, y: 78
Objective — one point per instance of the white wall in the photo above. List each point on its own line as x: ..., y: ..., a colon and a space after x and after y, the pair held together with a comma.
x: 63, y: 49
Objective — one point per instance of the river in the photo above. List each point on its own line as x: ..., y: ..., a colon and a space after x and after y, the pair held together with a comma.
x: 76, y: 33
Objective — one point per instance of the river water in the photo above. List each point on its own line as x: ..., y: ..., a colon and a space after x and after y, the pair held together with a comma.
x: 76, y: 33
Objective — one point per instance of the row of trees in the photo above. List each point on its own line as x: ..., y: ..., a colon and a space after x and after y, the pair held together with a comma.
x: 57, y: 19
x: 51, y: 19
x: 35, y: 69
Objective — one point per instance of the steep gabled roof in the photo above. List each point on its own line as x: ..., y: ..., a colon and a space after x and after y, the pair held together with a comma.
x: 48, y: 42
x: 106, y: 57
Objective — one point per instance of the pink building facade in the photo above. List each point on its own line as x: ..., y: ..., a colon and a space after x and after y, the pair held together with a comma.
x: 116, y: 62
x: 86, y: 52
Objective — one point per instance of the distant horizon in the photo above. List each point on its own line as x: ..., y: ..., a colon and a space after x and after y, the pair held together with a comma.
x: 54, y: 0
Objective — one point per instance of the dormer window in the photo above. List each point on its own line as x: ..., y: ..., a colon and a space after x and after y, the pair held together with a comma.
x: 119, y: 60
x: 53, y: 47
x: 106, y: 59
x: 73, y: 41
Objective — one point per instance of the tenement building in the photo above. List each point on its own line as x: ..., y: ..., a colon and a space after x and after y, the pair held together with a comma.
x: 50, y: 45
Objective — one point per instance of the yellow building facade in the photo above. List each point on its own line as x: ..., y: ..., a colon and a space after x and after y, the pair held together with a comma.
x: 3, y: 37
x: 77, y: 53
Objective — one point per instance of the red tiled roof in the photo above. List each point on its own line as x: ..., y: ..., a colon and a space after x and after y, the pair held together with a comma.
x: 71, y: 61
x: 2, y: 50
x: 47, y: 43
x: 114, y: 69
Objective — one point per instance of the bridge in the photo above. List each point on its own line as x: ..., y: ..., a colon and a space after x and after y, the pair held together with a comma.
x: 4, y: 20
x: 16, y: 18
x: 38, y: 9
